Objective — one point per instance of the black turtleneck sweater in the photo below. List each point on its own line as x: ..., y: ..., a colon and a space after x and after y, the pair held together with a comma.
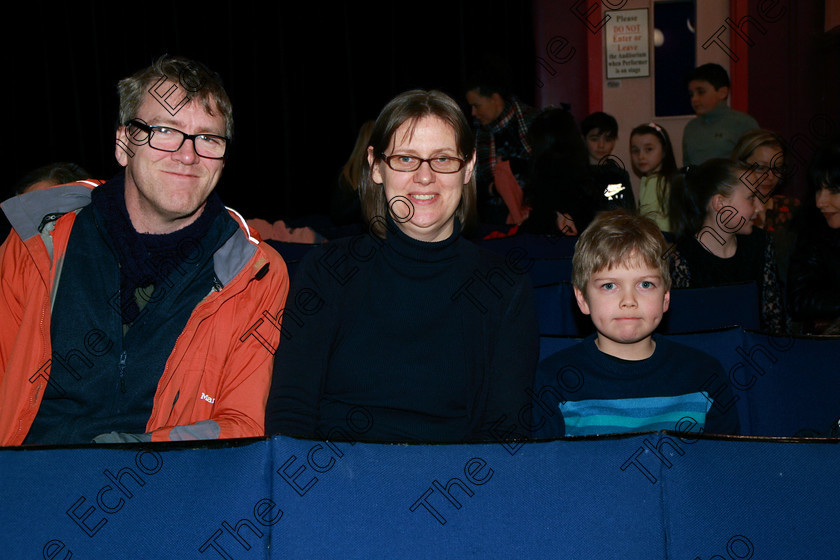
x: 402, y: 340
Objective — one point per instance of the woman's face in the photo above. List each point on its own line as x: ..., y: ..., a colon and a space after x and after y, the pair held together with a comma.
x: 423, y: 202
x: 765, y: 177
x: 828, y: 202
x: 647, y: 153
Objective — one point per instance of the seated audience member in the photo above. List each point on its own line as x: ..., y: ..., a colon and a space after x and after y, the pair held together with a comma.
x: 412, y: 333
x: 633, y: 380
x: 716, y: 129
x: 714, y: 210
x: 129, y: 309
x: 42, y: 178
x: 763, y: 151
x: 345, y: 206
x: 51, y: 175
x: 503, y: 123
x: 814, y: 274
x: 600, y: 132
x: 560, y: 194
x: 653, y: 160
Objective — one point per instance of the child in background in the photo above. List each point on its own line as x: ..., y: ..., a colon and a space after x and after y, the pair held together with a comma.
x: 653, y: 161
x: 713, y: 212
x: 610, y: 179
x: 634, y: 380
x: 716, y: 129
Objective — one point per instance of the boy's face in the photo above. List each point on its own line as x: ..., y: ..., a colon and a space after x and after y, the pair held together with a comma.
x: 600, y: 145
x: 626, y: 306
x: 704, y: 96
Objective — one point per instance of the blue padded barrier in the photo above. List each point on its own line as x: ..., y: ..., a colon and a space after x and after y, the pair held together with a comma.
x: 783, y: 386
x: 799, y: 394
x: 548, y: 271
x: 755, y: 500
x: 558, y: 313
x: 719, y: 307
x: 635, y: 496
x: 786, y: 386
x: 691, y: 310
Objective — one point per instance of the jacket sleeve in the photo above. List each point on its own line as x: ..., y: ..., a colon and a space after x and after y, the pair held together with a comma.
x: 252, y: 336
x: 13, y: 275
x: 512, y: 369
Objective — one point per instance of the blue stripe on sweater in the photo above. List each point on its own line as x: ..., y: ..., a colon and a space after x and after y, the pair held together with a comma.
x: 607, y: 416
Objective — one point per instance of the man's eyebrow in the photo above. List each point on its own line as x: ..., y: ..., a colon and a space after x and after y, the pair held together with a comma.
x: 174, y: 123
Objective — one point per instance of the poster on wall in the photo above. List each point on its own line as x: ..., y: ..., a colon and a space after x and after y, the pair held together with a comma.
x: 628, y: 44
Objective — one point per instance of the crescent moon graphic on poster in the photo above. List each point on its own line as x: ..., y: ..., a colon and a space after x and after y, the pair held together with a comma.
x: 688, y: 24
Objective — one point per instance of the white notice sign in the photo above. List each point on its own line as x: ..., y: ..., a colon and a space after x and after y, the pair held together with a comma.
x: 628, y: 45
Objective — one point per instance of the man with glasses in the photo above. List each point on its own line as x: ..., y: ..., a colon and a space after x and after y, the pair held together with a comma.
x: 141, y: 309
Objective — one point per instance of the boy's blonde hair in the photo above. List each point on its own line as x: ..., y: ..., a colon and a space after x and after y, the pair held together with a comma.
x: 619, y: 238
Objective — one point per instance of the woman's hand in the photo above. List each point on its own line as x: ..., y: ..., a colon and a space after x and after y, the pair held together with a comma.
x: 566, y: 224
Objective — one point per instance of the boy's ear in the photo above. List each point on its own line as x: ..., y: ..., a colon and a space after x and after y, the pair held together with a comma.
x: 722, y: 93
x: 581, y: 301
x: 666, y: 302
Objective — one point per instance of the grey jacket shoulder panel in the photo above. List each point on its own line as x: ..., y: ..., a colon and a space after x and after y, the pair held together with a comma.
x: 231, y: 258
x: 27, y: 214
x: 27, y: 211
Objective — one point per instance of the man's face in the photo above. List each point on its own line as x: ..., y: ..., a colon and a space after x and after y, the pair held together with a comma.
x: 600, y: 145
x: 626, y: 306
x: 166, y: 191
x: 485, y: 109
x: 704, y: 96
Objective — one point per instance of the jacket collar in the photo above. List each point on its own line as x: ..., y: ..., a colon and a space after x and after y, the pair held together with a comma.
x: 28, y: 213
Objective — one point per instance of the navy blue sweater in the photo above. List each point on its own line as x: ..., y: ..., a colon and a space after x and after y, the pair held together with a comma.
x: 401, y: 340
x: 677, y: 388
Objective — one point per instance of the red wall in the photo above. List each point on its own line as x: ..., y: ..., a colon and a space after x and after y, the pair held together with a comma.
x: 561, y: 45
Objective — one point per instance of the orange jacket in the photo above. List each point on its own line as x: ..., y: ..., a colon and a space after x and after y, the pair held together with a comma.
x: 216, y: 380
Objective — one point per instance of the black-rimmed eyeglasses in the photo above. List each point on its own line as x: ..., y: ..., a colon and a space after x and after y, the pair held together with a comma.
x: 439, y: 164
x: 168, y: 139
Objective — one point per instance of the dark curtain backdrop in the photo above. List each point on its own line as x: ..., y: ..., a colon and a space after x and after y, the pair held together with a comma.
x: 302, y: 79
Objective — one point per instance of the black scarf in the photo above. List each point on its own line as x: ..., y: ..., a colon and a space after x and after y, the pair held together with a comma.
x: 146, y: 259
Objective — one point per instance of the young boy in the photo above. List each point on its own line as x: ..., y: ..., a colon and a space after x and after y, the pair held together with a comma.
x: 632, y: 380
x: 717, y: 128
x: 600, y: 132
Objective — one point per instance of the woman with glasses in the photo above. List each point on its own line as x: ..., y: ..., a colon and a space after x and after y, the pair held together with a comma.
x: 763, y: 151
x: 409, y: 333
